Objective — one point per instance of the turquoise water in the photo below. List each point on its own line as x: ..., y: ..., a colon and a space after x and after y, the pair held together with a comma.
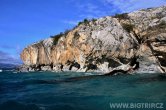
x: 77, y: 91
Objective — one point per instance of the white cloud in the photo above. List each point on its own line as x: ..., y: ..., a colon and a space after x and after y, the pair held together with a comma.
x: 132, y: 5
x: 71, y: 22
x: 90, y: 10
x: 99, y: 8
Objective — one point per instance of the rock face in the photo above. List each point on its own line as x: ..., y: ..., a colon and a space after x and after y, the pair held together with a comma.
x: 130, y: 43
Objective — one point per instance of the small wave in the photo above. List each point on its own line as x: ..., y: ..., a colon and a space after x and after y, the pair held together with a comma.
x: 150, y: 78
x: 89, y: 74
x: 15, y: 72
x: 39, y: 82
x: 42, y: 108
x: 66, y: 80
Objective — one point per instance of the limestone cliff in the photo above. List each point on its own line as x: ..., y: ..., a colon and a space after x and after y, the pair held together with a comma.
x: 134, y: 42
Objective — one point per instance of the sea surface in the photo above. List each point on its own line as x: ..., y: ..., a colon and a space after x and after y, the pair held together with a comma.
x: 78, y: 91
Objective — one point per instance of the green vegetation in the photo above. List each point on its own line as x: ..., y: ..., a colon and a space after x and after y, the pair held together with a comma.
x: 56, y: 38
x: 85, y: 21
x: 122, y: 16
x: 162, y: 24
x: 66, y: 32
x: 128, y: 27
x: 148, y: 9
x: 79, y: 23
x: 159, y: 15
x: 76, y: 34
x: 94, y: 19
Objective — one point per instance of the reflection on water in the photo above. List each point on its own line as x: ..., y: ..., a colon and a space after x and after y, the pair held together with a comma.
x: 77, y: 91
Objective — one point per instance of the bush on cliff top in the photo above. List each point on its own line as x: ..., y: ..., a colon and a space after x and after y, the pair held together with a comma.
x: 86, y: 21
x: 122, y: 16
x: 128, y: 27
x: 162, y: 24
x: 56, y: 38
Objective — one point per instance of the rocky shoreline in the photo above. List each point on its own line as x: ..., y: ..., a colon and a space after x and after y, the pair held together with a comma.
x: 127, y: 43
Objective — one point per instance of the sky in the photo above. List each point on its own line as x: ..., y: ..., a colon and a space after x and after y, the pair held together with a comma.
x: 23, y: 22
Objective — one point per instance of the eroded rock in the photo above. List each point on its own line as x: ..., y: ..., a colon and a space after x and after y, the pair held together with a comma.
x: 132, y: 43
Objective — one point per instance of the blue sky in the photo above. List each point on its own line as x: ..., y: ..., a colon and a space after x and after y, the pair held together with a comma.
x: 23, y: 22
